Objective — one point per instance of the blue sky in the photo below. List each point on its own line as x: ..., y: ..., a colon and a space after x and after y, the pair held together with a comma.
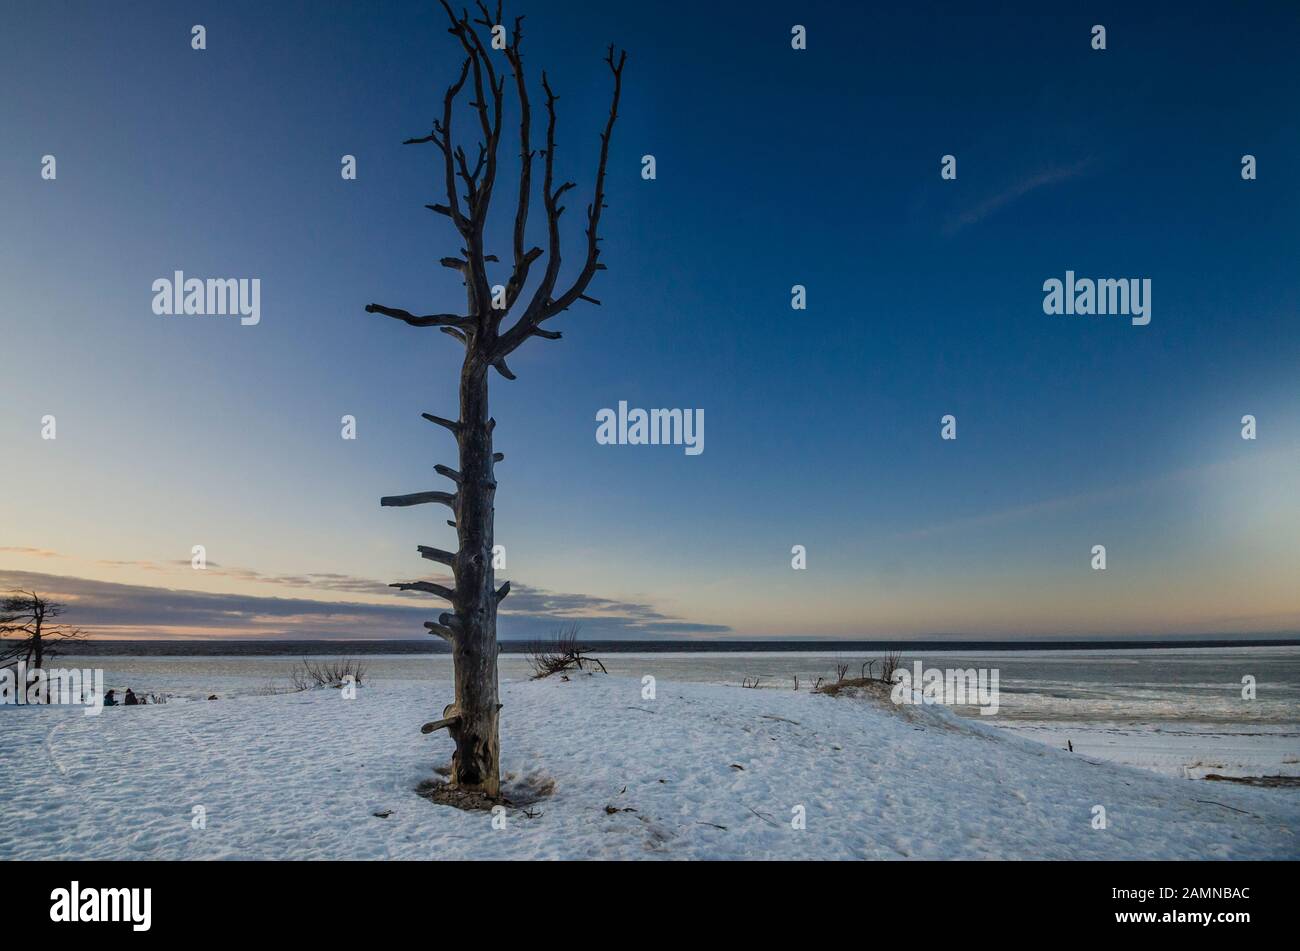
x: 775, y: 167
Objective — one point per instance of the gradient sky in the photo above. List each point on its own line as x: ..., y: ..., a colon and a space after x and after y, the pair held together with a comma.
x: 775, y: 168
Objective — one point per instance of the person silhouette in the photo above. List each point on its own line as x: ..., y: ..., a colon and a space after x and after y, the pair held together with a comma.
x: 131, y: 701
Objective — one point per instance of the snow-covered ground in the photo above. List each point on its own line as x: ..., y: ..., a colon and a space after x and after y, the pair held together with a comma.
x: 1181, y: 712
x: 702, y: 771
x: 1186, y: 749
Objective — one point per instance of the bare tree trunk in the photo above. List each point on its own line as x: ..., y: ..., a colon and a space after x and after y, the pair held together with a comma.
x: 475, y: 764
x: 471, y: 627
x: 38, y: 644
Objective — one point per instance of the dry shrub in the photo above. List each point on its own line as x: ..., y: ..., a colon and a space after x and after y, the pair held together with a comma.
x: 310, y: 674
x: 888, y: 664
x: 563, y: 652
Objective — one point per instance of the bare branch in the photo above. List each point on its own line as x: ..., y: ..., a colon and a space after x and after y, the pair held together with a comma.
x: 449, y: 472
x: 565, y: 300
x: 427, y: 587
x: 433, y: 137
x: 543, y: 292
x: 479, y: 62
x: 419, y: 498
x: 445, y: 423
x: 449, y: 169
x: 523, y: 260
x: 542, y: 306
x: 440, y: 724
x: 447, y: 558
x: 446, y: 633
x: 431, y: 320
x: 489, y: 121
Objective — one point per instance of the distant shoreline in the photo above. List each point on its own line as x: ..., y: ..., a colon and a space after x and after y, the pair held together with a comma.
x: 261, y: 648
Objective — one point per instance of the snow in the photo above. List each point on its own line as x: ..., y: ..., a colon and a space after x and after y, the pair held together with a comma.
x: 1176, y: 711
x: 1186, y: 749
x: 702, y: 771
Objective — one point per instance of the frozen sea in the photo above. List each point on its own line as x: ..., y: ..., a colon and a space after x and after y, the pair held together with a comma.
x: 1182, y: 712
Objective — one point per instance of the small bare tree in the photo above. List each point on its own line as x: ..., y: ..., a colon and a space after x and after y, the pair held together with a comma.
x: 29, y: 631
x: 890, y: 663
x: 310, y: 674
x: 470, y: 627
x: 564, y: 652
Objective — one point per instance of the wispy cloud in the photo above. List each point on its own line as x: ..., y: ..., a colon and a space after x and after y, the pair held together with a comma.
x: 30, y: 552
x: 1112, y: 493
x: 142, y: 565
x: 311, y: 581
x: 1053, y: 175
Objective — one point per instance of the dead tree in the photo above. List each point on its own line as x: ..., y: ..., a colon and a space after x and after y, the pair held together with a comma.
x: 563, y: 652
x: 470, y: 627
x: 33, y: 619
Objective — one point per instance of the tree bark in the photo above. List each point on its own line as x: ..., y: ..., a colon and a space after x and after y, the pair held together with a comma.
x: 475, y: 764
x: 38, y: 644
x: 472, y: 719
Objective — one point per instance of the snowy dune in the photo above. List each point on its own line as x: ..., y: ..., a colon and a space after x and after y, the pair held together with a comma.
x: 703, y: 771
x: 1185, y: 749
